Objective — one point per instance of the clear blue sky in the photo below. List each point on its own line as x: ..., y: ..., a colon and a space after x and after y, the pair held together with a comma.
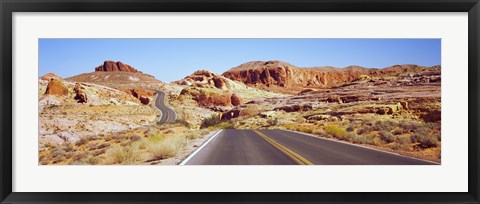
x: 172, y: 59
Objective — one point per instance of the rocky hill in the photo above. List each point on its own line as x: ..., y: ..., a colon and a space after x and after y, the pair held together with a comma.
x: 210, y: 89
x: 283, y: 77
x: 111, y: 66
x: 118, y: 75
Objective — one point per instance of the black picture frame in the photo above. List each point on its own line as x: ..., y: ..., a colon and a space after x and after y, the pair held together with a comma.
x: 7, y: 8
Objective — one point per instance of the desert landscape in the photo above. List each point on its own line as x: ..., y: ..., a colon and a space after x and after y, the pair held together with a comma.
x: 259, y: 112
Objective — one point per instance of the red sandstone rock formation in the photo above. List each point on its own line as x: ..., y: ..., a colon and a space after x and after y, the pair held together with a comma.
x: 283, y: 77
x: 80, y: 94
x: 56, y: 87
x: 111, y: 66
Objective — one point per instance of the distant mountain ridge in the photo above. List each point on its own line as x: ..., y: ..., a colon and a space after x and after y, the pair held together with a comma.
x: 279, y: 75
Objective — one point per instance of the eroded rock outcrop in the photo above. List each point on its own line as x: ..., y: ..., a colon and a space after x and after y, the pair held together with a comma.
x: 80, y: 94
x: 141, y: 94
x: 50, y: 76
x: 205, y: 79
x: 294, y: 108
x: 207, y: 98
x: 56, y: 87
x: 111, y: 66
x: 230, y: 114
x: 236, y: 100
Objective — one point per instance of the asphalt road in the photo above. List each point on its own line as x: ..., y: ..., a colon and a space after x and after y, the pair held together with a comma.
x: 280, y: 147
x: 167, y: 114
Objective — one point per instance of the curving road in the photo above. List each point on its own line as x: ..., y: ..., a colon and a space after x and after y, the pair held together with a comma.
x: 281, y: 147
x: 166, y: 113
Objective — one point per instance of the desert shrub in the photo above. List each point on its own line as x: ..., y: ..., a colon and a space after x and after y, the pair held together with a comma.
x: 410, y: 126
x: 67, y: 147
x: 422, y: 130
x: 350, y: 129
x: 156, y: 137
x: 386, y: 136
x: 167, y: 148
x: 81, y: 142
x: 183, y: 122
x: 398, y: 146
x: 336, y: 131
x: 403, y: 140
x: 383, y: 126
x: 361, y: 139
x: 363, y: 77
x: 319, y: 131
x: 193, y: 135
x: 363, y: 130
x: 367, y: 123
x: 49, y: 145
x: 79, y: 156
x: 225, y: 125
x: 58, y: 155
x: 135, y: 137
x: 128, y: 154
x: 103, y: 146
x: 272, y: 121
x: 399, y: 132
x: 350, y: 136
x: 377, y: 141
x: 93, y: 160
x: 425, y: 141
x: 211, y: 121
x: 305, y: 128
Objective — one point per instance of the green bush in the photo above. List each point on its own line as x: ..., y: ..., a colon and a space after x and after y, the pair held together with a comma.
x: 272, y: 121
x: 361, y: 139
x: 211, y: 121
x: 383, y: 126
x: 425, y: 141
x: 225, y: 125
x: 409, y: 126
x: 386, y: 136
x: 183, y: 122
x: 403, y: 140
x: 363, y: 131
x: 336, y: 131
x: 156, y: 138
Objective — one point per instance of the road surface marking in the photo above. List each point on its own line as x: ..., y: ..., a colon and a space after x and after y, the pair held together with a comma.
x: 198, y: 150
x: 296, y: 157
x: 361, y: 146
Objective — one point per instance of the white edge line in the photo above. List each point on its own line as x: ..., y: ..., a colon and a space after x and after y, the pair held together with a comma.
x: 357, y: 145
x: 200, y: 148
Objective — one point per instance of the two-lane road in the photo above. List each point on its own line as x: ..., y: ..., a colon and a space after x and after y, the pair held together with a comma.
x: 166, y: 113
x: 280, y: 147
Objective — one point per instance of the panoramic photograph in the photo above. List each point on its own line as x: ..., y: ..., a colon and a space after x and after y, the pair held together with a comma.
x: 226, y: 101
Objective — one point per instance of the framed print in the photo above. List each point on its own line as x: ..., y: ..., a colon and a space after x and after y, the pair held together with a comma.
x: 206, y: 101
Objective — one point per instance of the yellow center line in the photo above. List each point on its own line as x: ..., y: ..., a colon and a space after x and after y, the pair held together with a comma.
x: 293, y: 155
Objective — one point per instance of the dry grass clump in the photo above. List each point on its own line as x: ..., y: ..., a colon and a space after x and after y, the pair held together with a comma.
x: 307, y: 128
x: 129, y: 154
x: 387, y: 137
x: 168, y: 147
x: 211, y: 121
x: 192, y: 135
